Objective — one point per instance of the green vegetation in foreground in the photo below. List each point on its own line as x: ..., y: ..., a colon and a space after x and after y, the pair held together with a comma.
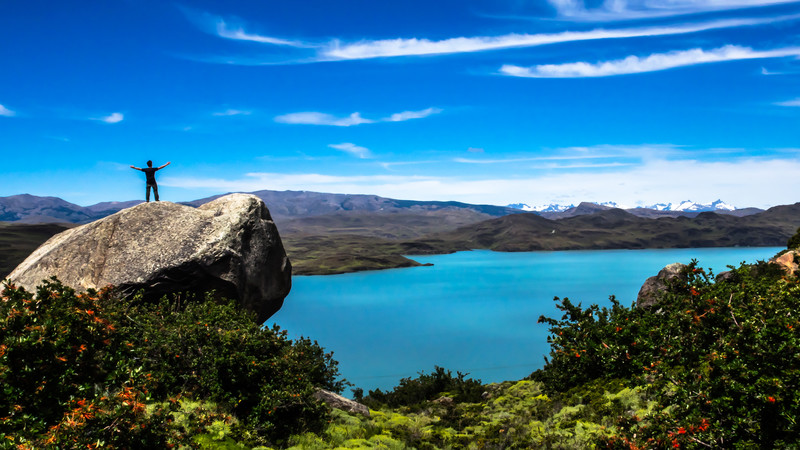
x: 712, y: 365
x: 88, y: 370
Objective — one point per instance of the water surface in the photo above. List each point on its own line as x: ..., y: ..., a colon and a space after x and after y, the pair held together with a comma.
x: 473, y: 311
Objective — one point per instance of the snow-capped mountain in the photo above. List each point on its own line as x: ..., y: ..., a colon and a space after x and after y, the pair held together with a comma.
x: 684, y: 206
x: 659, y: 207
x: 689, y: 205
x: 609, y: 204
x: 541, y: 208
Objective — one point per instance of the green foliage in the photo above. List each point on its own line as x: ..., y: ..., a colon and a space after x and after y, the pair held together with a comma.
x: 794, y: 241
x: 516, y: 415
x: 87, y: 369
x: 68, y: 375
x: 722, y: 360
x: 426, y: 387
x: 218, y: 352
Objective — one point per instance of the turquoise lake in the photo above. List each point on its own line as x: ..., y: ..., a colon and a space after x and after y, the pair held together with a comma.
x: 472, y: 312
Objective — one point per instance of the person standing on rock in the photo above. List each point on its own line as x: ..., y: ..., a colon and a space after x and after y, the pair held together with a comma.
x: 150, y: 172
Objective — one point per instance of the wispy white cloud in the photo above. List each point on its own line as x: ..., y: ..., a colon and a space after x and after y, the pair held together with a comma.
x: 232, y: 112
x: 795, y: 103
x: 582, y: 166
x: 742, y: 182
x: 353, y: 149
x: 318, y: 118
x: 540, y: 158
x: 408, y: 115
x: 111, y: 118
x: 338, y: 50
x: 6, y: 112
x: 611, y: 10
x: 224, y: 30
x: 765, y: 71
x: 651, y: 63
x: 388, y: 165
x: 417, y: 47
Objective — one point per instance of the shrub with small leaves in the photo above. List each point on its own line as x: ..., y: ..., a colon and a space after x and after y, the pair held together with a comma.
x: 794, y: 241
x: 722, y: 359
x: 89, y: 369
x: 426, y: 387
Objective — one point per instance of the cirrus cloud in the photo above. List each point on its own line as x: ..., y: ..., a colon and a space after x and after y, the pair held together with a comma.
x: 417, y: 47
x: 111, y: 118
x: 339, y: 50
x: 232, y: 112
x: 654, y: 62
x: 408, y: 115
x: 611, y: 10
x: 353, y: 149
x: 793, y: 103
x: 6, y: 112
x: 223, y: 30
x: 318, y: 118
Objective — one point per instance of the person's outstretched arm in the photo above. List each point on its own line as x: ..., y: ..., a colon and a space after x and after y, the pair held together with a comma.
x: 165, y: 165
x: 132, y: 167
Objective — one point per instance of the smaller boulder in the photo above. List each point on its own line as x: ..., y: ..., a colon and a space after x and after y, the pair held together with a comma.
x: 654, y: 287
x: 725, y: 277
x: 445, y: 401
x: 788, y: 261
x: 336, y: 401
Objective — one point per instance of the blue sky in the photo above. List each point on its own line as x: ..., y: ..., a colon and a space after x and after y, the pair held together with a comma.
x: 497, y: 102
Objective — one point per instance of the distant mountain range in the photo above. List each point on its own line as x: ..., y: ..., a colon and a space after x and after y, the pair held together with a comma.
x: 615, y: 228
x: 684, y: 206
x: 26, y: 208
x: 336, y: 233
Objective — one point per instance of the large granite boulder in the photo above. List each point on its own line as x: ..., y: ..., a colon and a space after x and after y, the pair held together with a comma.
x: 654, y: 287
x: 230, y: 245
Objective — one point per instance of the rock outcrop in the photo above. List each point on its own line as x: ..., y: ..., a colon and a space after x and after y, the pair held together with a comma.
x: 788, y: 261
x: 336, y: 401
x: 654, y: 286
x: 230, y: 245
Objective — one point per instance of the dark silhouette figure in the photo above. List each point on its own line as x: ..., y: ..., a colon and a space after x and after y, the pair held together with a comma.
x: 150, y: 171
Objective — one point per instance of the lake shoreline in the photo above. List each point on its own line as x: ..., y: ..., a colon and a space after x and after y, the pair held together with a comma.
x: 351, y: 263
x: 472, y: 311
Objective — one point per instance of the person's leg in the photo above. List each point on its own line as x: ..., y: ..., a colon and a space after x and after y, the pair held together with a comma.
x: 147, y: 193
x: 155, y: 191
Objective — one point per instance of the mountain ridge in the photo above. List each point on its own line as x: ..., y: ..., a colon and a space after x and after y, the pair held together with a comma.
x: 27, y: 208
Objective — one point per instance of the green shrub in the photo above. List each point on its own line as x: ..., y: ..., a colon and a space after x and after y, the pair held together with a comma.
x: 68, y: 375
x: 722, y: 360
x: 91, y: 369
x: 218, y: 352
x: 794, y: 241
x: 426, y: 387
